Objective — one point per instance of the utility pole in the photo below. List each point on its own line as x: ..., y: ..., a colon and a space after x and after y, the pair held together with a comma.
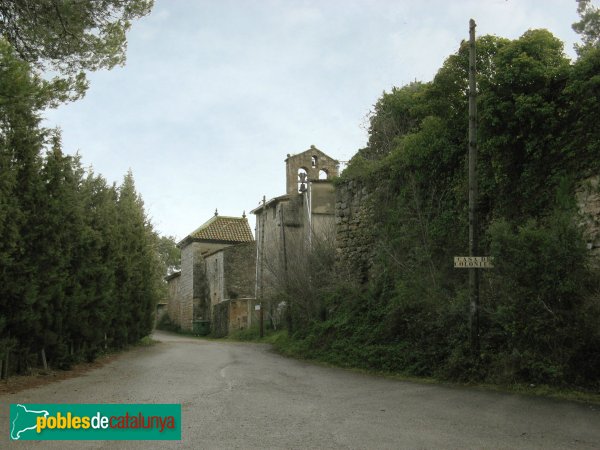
x: 262, y: 249
x: 473, y: 240
x: 285, y: 271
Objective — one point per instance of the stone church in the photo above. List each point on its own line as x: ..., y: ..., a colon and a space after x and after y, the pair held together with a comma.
x: 290, y: 224
x: 225, y: 272
x: 217, y: 274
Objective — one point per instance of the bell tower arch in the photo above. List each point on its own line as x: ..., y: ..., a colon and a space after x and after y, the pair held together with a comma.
x: 307, y: 166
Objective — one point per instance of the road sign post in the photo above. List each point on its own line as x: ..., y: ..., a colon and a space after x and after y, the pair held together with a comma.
x: 473, y: 241
x: 260, y: 318
x: 473, y: 262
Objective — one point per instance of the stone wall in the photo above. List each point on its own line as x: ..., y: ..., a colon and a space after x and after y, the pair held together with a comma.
x: 275, y: 236
x: 216, y: 277
x: 239, y: 314
x: 231, y: 272
x: 354, y: 230
x: 201, y: 297
x: 321, y: 197
x: 173, y: 299
x: 588, y: 203
x: 231, y: 278
x: 220, y: 320
x: 190, y: 257
x: 232, y: 315
x: 239, y: 263
x: 313, y: 161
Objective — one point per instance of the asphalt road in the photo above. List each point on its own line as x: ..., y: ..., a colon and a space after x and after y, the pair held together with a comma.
x: 245, y: 396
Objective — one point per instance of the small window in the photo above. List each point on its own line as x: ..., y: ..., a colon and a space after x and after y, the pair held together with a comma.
x: 313, y: 161
x: 323, y: 175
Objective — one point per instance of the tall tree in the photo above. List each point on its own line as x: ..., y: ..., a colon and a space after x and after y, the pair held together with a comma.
x: 76, y: 256
x: 138, y: 271
x: 70, y: 36
x: 95, y: 263
x: 169, y: 253
x: 522, y: 119
x: 588, y: 26
x: 539, y: 314
x: 21, y: 99
x: 582, y: 139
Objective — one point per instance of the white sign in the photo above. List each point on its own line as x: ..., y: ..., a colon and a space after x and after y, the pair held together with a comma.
x: 256, y: 307
x: 470, y: 262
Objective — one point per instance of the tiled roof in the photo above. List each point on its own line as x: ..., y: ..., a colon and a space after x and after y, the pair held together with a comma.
x: 223, y: 228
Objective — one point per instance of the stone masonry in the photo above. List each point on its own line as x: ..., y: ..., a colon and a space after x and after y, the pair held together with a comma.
x: 354, y: 234
x: 287, y: 225
x: 173, y: 294
x: 240, y: 266
x: 316, y: 164
x: 588, y: 203
x: 190, y: 255
x: 213, y: 268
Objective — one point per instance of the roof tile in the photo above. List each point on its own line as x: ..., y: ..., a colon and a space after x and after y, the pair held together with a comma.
x: 223, y: 228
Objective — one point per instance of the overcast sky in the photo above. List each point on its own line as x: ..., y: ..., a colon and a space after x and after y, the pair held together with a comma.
x: 215, y: 93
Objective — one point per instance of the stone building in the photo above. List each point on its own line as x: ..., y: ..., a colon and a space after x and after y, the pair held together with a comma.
x: 288, y: 225
x: 231, y: 277
x: 173, y: 303
x: 217, y: 265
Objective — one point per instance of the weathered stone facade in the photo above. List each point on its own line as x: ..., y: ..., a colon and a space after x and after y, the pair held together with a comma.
x: 588, y: 202
x: 354, y: 231
x: 232, y: 315
x: 287, y: 225
x: 240, y: 266
x: 212, y: 268
x: 354, y: 220
x: 231, y: 272
x: 231, y: 277
x: 279, y: 233
x: 312, y: 162
x: 173, y: 304
x: 215, y: 274
x: 191, y: 256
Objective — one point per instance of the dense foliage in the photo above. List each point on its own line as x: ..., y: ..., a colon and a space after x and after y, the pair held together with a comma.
x: 540, y: 305
x: 70, y: 36
x: 79, y: 262
x: 588, y: 26
x: 170, y: 254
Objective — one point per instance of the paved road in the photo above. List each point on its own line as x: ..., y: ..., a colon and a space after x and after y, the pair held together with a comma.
x: 244, y: 396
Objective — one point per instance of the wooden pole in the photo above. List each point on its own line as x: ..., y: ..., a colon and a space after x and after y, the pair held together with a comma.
x: 261, y: 317
x: 285, y: 271
x: 44, y: 361
x: 473, y: 241
x: 5, y: 366
x: 262, y: 247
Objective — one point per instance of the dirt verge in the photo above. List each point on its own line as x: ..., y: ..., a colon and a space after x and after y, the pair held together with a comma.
x: 40, y: 377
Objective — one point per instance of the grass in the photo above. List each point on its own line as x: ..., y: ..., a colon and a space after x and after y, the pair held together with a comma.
x: 146, y: 341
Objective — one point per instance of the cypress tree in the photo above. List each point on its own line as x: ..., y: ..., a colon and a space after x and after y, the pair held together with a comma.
x: 21, y: 98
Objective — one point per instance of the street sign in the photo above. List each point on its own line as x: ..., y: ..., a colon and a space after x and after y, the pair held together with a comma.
x: 473, y: 262
x: 256, y: 307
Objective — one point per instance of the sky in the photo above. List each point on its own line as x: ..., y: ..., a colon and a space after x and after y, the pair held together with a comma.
x: 216, y: 93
